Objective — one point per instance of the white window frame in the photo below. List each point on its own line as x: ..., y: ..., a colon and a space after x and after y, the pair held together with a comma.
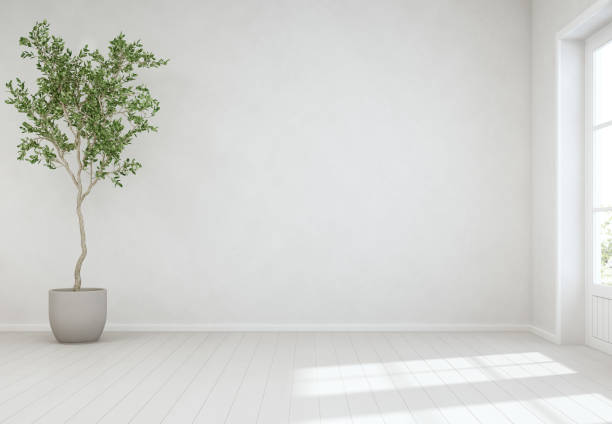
x: 594, y: 286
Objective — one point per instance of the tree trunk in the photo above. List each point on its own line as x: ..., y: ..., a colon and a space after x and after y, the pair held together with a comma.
x: 79, y: 263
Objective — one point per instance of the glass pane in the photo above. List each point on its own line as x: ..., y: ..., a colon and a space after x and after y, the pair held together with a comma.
x: 603, y: 248
x: 602, y: 167
x: 602, y: 90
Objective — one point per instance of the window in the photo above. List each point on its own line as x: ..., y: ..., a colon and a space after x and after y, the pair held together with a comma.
x: 599, y: 154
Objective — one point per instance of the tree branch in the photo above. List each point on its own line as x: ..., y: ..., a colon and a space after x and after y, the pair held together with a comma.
x: 68, y: 120
x: 91, y: 185
x: 64, y: 162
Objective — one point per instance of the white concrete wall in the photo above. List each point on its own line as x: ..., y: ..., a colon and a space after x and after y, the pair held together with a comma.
x: 317, y: 162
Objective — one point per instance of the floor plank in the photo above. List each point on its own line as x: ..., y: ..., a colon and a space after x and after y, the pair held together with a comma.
x: 276, y: 401
x: 166, y: 398
x: 247, y: 403
x: 188, y: 405
x: 304, y: 406
x: 362, y: 400
x: 217, y: 404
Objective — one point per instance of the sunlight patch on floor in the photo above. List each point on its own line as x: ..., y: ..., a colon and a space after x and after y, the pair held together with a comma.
x: 435, y: 364
x: 415, y: 374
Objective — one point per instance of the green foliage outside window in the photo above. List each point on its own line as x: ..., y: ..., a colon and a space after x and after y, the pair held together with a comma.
x: 606, y: 251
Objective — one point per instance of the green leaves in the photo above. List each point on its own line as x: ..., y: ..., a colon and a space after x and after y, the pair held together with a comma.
x: 85, y: 103
x: 23, y: 41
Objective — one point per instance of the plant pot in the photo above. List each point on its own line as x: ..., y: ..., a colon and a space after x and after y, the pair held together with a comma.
x: 77, y: 316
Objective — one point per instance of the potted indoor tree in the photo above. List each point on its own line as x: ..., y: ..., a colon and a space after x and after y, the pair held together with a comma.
x: 85, y: 110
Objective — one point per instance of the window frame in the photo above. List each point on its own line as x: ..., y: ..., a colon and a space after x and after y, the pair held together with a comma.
x: 592, y: 44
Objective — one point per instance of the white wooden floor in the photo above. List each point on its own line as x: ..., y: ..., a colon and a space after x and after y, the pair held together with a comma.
x: 269, y: 378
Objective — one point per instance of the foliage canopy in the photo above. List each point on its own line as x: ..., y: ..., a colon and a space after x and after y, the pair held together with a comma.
x: 86, y: 95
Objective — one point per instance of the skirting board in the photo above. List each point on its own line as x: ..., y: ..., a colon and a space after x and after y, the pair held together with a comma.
x: 547, y: 335
x: 292, y: 327
x: 317, y: 327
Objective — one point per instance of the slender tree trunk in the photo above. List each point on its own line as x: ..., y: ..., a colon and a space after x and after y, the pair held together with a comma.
x: 79, y: 263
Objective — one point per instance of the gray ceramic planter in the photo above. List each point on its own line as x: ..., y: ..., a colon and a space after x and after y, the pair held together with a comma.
x: 77, y: 316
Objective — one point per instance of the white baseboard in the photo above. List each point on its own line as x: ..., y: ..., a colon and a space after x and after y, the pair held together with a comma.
x: 316, y: 327
x: 24, y: 327
x: 600, y: 345
x: 290, y: 327
x: 547, y: 335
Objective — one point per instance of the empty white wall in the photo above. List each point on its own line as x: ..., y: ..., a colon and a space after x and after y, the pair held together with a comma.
x: 332, y: 161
